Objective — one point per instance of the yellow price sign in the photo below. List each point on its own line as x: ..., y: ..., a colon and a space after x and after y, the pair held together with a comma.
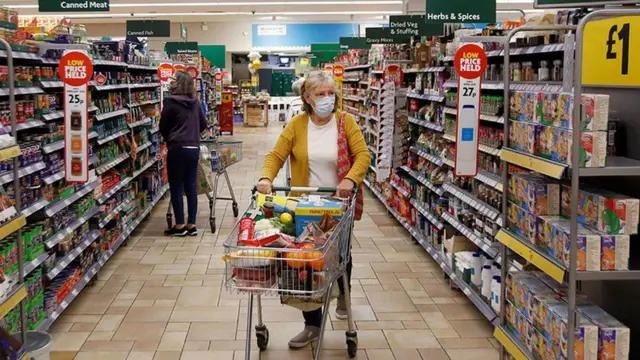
x: 608, y: 52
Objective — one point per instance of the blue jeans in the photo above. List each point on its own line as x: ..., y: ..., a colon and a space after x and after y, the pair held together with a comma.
x: 182, y: 170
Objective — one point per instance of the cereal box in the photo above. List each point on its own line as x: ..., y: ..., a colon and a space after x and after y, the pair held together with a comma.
x: 522, y: 136
x: 595, y: 112
x: 617, y: 214
x: 536, y: 194
x: 593, y: 149
x: 521, y: 223
x: 313, y: 210
x: 565, y: 111
x: 614, y: 252
x: 516, y: 106
x: 586, y: 333
x: 530, y: 103
x: 613, y: 336
x: 588, y: 245
x: 547, y: 108
x: 554, y: 144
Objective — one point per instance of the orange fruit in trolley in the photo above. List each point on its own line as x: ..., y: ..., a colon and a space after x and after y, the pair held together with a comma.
x: 295, y: 260
x: 315, y: 258
x: 309, y: 256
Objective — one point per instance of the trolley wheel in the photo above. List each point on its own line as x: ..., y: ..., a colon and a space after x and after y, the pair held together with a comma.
x: 262, y: 336
x: 235, y: 209
x: 169, y: 221
x: 352, y: 344
x: 212, y: 223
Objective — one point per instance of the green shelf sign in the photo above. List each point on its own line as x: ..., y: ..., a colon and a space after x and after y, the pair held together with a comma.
x: 383, y: 36
x: 73, y: 5
x: 414, y: 25
x: 179, y: 48
x: 579, y: 3
x: 149, y: 28
x: 460, y: 11
x: 354, y: 43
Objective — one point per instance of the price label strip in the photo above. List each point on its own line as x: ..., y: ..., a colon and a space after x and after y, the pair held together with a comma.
x: 76, y: 70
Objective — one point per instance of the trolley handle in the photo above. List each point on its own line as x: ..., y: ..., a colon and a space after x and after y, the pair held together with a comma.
x: 303, y: 189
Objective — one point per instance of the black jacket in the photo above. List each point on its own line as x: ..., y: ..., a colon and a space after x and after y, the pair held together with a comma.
x: 182, y: 121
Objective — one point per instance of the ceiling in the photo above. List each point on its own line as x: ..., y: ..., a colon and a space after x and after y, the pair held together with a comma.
x: 257, y: 11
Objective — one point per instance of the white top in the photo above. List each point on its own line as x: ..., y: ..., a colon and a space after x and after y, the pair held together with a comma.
x: 323, y: 153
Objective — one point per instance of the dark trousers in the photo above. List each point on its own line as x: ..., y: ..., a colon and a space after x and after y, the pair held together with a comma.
x: 314, y: 318
x: 182, y: 170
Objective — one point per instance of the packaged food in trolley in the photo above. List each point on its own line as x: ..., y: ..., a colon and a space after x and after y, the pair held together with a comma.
x: 287, y: 246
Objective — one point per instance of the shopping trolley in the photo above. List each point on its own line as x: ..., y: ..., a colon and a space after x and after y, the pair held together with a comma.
x: 306, y: 274
x: 220, y: 154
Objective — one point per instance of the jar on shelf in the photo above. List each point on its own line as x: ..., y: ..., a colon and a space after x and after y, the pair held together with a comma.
x: 556, y: 74
x: 516, y: 74
x: 79, y: 33
x: 543, y: 71
x: 527, y: 71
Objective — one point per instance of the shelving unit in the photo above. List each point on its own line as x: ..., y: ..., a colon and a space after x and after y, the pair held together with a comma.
x: 88, y: 229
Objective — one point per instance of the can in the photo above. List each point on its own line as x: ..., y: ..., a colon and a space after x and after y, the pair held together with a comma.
x: 246, y: 230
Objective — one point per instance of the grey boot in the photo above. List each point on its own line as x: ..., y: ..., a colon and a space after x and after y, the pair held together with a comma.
x: 341, y: 308
x: 309, y: 334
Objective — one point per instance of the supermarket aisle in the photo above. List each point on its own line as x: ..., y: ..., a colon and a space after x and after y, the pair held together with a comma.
x: 162, y: 298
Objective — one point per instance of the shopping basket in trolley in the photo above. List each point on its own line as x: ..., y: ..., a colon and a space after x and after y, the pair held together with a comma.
x: 217, y: 154
x: 303, y: 268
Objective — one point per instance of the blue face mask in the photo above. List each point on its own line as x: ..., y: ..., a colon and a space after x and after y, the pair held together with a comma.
x: 324, y: 106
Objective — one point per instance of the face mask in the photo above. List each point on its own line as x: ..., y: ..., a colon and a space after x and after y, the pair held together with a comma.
x: 324, y: 106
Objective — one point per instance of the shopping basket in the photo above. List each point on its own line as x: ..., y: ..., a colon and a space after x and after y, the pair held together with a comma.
x: 306, y: 273
x: 221, y: 154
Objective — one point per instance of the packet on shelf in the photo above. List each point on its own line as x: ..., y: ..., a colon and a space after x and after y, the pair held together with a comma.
x: 613, y: 336
x: 534, y: 193
x: 605, y: 211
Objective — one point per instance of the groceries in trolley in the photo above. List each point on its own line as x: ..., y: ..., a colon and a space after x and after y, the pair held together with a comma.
x: 286, y: 245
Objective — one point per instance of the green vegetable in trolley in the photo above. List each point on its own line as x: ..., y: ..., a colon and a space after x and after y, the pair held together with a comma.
x: 287, y: 229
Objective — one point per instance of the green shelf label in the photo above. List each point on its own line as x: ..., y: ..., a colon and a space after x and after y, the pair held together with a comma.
x: 73, y: 5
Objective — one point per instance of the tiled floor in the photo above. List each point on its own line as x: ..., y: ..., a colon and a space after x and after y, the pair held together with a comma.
x: 163, y: 298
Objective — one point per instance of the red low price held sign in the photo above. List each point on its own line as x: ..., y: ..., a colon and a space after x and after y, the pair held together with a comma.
x: 76, y: 70
x: 165, y: 72
x: 470, y: 63
x: 193, y: 71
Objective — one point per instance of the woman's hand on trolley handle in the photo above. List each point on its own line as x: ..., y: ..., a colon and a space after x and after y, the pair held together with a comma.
x: 345, y: 188
x: 264, y: 186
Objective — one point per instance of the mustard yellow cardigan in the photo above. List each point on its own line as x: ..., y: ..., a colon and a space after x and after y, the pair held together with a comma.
x: 293, y: 142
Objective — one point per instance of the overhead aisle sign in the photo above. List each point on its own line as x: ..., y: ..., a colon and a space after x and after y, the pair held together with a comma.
x: 470, y: 62
x: 611, y: 47
x: 73, y: 5
x: 414, y: 25
x: 149, y: 28
x: 354, y: 43
x: 75, y: 70
x: 383, y: 36
x: 460, y: 11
